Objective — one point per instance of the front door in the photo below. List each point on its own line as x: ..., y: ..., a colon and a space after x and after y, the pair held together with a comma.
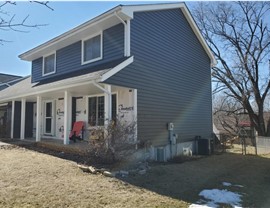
x: 49, y: 118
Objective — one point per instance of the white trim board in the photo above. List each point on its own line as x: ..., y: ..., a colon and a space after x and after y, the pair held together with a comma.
x: 130, y: 9
x: 116, y: 69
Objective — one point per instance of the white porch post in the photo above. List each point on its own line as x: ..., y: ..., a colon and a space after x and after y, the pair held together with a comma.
x: 38, y: 119
x: 108, y: 104
x: 23, y: 105
x: 67, y: 116
x: 12, y: 119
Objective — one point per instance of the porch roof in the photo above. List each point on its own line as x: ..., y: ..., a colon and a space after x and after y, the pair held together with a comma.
x: 92, y: 75
x: 108, y: 65
x: 25, y: 88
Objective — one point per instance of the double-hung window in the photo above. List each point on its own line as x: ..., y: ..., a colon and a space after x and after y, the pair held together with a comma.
x: 49, y: 64
x: 96, y: 110
x: 92, y: 49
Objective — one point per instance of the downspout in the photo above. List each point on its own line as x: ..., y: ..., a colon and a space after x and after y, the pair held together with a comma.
x: 171, y: 138
x: 127, y: 34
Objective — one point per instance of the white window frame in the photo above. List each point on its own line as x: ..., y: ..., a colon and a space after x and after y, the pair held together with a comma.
x: 43, y: 64
x: 98, y: 95
x: 101, y: 48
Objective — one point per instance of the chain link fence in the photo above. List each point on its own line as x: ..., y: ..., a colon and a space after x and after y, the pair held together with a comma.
x: 244, y: 142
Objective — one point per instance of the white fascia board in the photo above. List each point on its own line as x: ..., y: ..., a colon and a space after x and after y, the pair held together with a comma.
x: 116, y: 69
x: 27, y: 55
x: 130, y: 9
x: 197, y: 32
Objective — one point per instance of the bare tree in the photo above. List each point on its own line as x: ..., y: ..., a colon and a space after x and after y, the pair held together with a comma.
x: 8, y: 21
x: 228, y: 114
x: 239, y: 37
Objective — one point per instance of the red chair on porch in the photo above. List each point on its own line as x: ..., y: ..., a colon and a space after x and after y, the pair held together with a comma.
x: 77, y: 131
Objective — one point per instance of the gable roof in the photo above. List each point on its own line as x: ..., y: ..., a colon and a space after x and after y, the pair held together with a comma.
x: 111, y: 17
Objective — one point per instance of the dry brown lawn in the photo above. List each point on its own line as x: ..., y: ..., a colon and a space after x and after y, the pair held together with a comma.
x: 31, y: 179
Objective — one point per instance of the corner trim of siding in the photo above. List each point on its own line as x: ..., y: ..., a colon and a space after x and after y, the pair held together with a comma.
x: 116, y: 69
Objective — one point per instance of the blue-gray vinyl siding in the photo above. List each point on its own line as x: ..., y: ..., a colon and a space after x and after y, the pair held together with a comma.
x: 171, y: 72
x: 68, y: 59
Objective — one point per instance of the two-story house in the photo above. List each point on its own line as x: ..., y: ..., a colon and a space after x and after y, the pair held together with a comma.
x: 144, y: 62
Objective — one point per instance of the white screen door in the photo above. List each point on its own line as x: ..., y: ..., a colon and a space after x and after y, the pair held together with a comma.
x: 49, y: 118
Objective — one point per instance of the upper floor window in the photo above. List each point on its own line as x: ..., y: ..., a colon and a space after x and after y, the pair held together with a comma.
x: 49, y: 63
x: 92, y: 49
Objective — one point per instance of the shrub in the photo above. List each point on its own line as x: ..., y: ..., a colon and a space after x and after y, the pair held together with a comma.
x: 113, y: 142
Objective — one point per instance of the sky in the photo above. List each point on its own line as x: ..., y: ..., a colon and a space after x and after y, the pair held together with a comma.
x: 65, y: 16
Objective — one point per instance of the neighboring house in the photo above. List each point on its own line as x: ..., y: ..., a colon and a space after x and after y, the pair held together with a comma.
x: 6, y: 80
x: 226, y: 126
x: 144, y: 62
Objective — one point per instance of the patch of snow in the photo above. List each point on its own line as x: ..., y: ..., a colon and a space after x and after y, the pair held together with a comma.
x: 222, y: 196
x: 215, y: 196
x: 229, y: 184
x: 198, y: 206
x: 239, y: 186
x: 226, y: 184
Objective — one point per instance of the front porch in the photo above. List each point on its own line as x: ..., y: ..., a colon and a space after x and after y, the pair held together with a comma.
x: 47, y: 112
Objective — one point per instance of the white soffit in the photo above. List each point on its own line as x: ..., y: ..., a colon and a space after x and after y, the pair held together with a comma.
x: 130, y: 9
